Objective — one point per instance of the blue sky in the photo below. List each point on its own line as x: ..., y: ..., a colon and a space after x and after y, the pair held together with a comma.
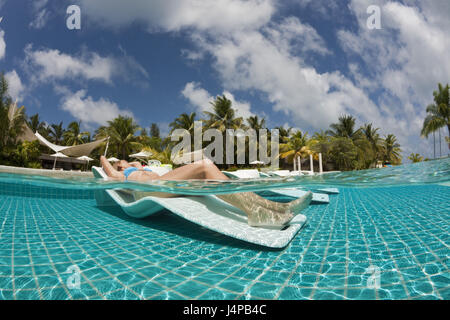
x: 299, y: 63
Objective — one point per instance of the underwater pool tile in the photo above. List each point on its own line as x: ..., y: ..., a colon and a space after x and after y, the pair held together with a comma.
x: 274, y: 277
x: 130, y: 278
x: 104, y: 245
x: 23, y: 294
x: 122, y: 294
x: 336, y: 281
x: 169, y: 279
x: 326, y: 294
x: 235, y: 285
x: 210, y: 278
x: 48, y: 281
x: 263, y: 290
x: 361, y: 294
x: 216, y: 294
x: 248, y: 273
x: 147, y: 289
x: 303, y: 280
x: 54, y: 294
x: 417, y: 288
x: 294, y: 293
x: 191, y: 289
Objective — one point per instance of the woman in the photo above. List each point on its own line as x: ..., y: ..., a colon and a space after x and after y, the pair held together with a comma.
x: 260, y: 212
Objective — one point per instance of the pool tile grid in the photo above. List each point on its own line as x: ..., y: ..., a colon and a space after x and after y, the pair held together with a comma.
x: 407, y: 246
x: 131, y: 268
x: 300, y: 260
x: 253, y: 273
x: 135, y: 271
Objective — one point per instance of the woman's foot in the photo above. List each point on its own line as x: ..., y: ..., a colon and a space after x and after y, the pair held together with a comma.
x: 301, y: 203
x: 294, y: 206
x: 264, y: 218
x: 258, y: 215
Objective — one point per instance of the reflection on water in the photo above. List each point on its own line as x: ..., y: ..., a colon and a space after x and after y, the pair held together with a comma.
x: 420, y: 173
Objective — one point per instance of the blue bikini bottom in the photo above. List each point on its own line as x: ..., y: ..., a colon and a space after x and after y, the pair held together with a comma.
x: 130, y: 170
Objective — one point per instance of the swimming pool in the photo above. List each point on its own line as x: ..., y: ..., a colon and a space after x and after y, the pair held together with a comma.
x: 384, y: 236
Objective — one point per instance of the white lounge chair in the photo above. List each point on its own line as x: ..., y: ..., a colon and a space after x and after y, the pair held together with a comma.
x: 207, y: 211
x: 290, y: 192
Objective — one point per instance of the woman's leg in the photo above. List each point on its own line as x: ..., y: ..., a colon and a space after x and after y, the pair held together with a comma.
x: 260, y: 211
x: 203, y: 170
x: 206, y: 169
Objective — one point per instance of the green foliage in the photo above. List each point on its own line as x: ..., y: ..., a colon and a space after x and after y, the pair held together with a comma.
x: 345, y: 146
x: 122, y: 132
x: 438, y: 113
x: 415, y: 157
x: 26, y: 154
x: 344, y: 153
x: 154, y: 131
x: 73, y: 135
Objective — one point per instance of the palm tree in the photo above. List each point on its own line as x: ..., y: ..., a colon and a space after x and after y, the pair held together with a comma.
x: 374, y: 140
x: 73, y: 135
x: 321, y: 143
x: 438, y: 113
x: 154, y: 131
x: 36, y: 125
x: 5, y: 103
x: 298, y: 146
x: 223, y: 116
x: 57, y: 132
x: 392, y: 149
x: 164, y: 156
x: 284, y: 133
x: 14, y: 125
x: 121, y: 131
x: 256, y: 124
x: 415, y: 157
x: 184, y: 121
x: 345, y: 128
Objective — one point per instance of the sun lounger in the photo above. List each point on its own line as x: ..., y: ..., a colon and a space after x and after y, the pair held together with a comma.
x: 290, y: 192
x: 207, y: 211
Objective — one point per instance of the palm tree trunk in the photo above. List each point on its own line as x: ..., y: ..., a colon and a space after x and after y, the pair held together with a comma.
x: 434, y: 145
x: 440, y: 151
x: 448, y: 127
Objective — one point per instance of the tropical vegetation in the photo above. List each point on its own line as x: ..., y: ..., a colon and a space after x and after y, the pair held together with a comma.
x: 438, y: 114
x: 344, y: 145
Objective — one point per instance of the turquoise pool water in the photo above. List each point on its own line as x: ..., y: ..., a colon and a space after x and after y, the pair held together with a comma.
x: 384, y: 236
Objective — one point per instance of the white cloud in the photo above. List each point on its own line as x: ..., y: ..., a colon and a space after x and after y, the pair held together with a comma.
x: 51, y: 64
x: 15, y: 85
x: 265, y: 61
x: 250, y: 51
x: 2, y: 44
x: 174, y: 15
x: 41, y: 19
x: 42, y: 14
x: 406, y: 59
x: 201, y: 100
x: 91, y: 111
